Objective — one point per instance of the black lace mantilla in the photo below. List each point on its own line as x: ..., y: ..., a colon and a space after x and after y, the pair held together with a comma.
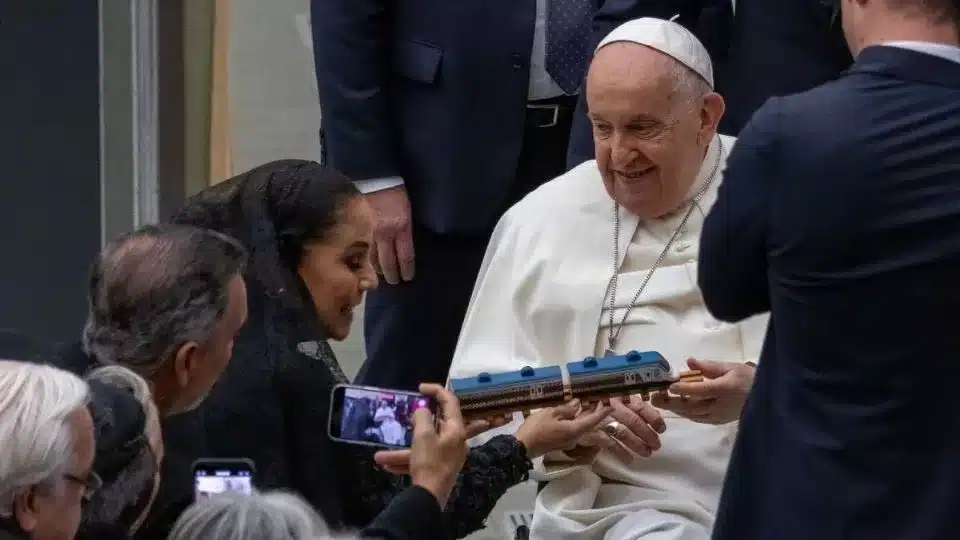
x: 490, y: 470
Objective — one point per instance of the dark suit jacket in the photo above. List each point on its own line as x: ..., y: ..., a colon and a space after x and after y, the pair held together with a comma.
x: 779, y: 48
x: 709, y: 20
x: 432, y: 91
x: 840, y: 213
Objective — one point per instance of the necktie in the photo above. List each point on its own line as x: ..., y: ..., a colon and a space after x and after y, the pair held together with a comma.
x: 568, y: 36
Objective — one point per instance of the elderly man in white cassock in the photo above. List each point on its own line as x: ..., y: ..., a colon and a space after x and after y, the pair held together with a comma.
x: 604, y: 259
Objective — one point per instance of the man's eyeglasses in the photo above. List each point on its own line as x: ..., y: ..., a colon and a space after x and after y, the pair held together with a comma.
x: 90, y: 484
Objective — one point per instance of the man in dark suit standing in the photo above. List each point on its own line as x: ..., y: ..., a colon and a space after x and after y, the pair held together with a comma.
x: 779, y: 48
x: 759, y: 48
x: 840, y: 213
x: 445, y: 113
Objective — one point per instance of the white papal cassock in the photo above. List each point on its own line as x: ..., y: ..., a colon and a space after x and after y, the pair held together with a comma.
x: 540, y: 301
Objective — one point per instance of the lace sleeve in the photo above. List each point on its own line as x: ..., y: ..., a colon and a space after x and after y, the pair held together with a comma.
x: 490, y: 470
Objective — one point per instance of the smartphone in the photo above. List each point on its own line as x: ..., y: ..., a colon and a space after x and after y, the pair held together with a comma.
x: 212, y: 476
x: 375, y: 416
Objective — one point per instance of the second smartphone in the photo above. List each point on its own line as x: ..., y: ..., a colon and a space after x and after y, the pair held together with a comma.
x: 375, y: 416
x: 215, y: 475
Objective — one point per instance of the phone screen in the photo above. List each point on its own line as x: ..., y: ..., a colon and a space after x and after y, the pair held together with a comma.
x: 375, y: 416
x: 213, y: 476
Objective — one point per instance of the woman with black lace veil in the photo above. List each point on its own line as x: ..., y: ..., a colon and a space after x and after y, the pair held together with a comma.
x: 309, y: 233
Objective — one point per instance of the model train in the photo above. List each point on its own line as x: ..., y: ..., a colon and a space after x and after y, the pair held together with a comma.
x: 591, y: 379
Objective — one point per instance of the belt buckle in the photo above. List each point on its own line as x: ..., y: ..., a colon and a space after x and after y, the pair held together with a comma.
x: 556, y: 114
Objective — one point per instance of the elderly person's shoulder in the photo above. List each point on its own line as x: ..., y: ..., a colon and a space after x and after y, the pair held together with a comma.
x: 583, y: 175
x: 544, y: 214
x: 560, y: 194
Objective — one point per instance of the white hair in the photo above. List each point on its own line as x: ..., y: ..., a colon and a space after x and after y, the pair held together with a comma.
x: 36, y: 403
x: 259, y: 516
x: 688, y: 82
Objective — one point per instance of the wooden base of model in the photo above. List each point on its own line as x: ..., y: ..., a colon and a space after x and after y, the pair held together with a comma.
x: 500, y: 412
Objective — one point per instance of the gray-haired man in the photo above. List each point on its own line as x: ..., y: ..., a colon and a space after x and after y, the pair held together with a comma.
x: 47, y: 451
x: 165, y: 301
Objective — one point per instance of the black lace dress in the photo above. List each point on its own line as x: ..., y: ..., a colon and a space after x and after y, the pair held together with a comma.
x: 490, y: 470
x: 275, y: 412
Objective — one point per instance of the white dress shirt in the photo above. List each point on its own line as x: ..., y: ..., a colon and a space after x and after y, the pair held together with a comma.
x: 947, y: 52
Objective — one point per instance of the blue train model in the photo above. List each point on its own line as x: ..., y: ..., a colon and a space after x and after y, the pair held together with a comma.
x: 590, y: 379
x: 498, y: 393
x: 632, y: 373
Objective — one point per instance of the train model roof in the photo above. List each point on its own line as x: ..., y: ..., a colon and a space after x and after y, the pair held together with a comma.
x: 527, y: 375
x: 630, y: 361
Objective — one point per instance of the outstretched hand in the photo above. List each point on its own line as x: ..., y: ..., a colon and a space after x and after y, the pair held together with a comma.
x: 717, y: 399
x: 635, y: 432
x: 559, y: 428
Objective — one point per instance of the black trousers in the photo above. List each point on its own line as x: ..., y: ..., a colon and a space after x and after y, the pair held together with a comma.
x: 411, y: 329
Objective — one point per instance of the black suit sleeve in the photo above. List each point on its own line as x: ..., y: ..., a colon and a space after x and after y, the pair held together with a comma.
x: 732, y: 268
x: 352, y: 52
x: 414, y: 514
x: 611, y: 14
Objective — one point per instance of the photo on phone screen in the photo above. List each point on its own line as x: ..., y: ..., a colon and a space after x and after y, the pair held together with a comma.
x: 374, y: 416
x: 213, y: 476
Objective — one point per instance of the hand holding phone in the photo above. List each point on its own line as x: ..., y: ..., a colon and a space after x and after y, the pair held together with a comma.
x: 439, y: 448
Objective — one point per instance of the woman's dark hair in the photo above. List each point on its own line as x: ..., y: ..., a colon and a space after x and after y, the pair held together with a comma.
x: 274, y: 210
x: 120, y: 502
x: 124, y: 460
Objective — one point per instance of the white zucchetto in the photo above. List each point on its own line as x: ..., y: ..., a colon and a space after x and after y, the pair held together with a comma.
x: 668, y: 37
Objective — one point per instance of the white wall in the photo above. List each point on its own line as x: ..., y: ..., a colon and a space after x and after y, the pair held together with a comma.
x: 275, y: 112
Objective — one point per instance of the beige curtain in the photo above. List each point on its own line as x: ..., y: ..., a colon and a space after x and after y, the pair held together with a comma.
x: 207, y: 134
x: 221, y: 144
